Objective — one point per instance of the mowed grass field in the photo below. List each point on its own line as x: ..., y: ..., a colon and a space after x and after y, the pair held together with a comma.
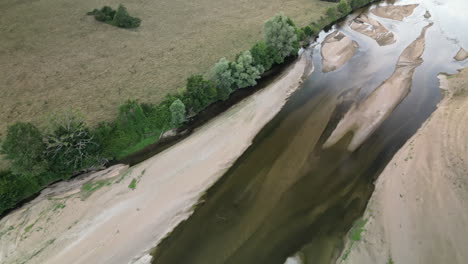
x: 53, y: 57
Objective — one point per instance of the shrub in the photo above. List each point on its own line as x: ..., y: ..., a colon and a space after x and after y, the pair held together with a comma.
x: 358, y: 3
x: 199, y: 93
x: 70, y: 146
x: 222, y: 77
x: 281, y: 36
x: 119, y: 18
x: 262, y: 56
x: 343, y: 7
x: 124, y: 20
x: 308, y: 31
x: 244, y: 71
x: 105, y: 14
x: 332, y: 14
x: 15, y: 188
x: 23, y: 145
x: 177, y: 113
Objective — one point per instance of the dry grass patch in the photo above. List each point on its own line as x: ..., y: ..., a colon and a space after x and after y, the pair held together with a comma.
x: 54, y: 57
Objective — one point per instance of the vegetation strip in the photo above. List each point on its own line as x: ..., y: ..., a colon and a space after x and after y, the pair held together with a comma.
x: 41, y: 157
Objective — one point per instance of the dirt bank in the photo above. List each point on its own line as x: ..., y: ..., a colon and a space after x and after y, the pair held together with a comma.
x: 396, y: 12
x: 373, y: 29
x: 419, y: 210
x: 365, y: 117
x: 336, y: 50
x: 94, y: 224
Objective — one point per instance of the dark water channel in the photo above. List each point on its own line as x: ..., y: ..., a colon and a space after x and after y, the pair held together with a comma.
x: 287, y: 194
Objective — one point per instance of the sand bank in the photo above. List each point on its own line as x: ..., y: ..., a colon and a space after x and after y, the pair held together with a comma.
x: 119, y: 218
x: 461, y: 55
x: 419, y: 210
x: 364, y: 118
x: 395, y: 12
x: 336, y: 50
x: 373, y: 29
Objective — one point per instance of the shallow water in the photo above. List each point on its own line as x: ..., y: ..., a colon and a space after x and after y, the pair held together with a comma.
x: 286, y: 194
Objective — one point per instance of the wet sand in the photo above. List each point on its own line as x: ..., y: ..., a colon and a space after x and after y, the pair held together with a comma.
x: 373, y: 29
x: 336, y: 50
x: 418, y: 212
x: 365, y: 117
x: 97, y: 227
x: 395, y: 12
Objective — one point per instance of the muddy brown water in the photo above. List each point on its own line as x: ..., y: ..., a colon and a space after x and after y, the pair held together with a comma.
x: 286, y: 194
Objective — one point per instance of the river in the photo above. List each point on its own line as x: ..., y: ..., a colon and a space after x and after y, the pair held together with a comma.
x: 286, y: 193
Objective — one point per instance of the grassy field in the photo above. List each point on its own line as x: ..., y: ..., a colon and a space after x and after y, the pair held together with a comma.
x: 54, y: 57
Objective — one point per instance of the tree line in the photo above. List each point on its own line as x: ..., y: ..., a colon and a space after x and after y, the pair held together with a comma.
x: 40, y: 157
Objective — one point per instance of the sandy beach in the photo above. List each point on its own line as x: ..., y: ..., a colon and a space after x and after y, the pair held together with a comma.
x: 92, y: 219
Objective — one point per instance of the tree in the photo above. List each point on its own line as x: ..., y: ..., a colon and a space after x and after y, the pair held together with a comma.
x: 199, y: 93
x: 343, y: 7
x: 23, y: 145
x: 245, y: 72
x: 177, y: 112
x: 262, y: 56
x: 358, y: 3
x: 70, y: 146
x: 222, y: 77
x: 124, y: 20
x: 281, y: 36
x: 332, y: 14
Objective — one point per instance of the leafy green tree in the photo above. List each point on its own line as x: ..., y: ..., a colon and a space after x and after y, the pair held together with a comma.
x: 222, y: 77
x: 245, y: 72
x: 358, y: 3
x: 332, y: 14
x: 124, y: 20
x: 281, y: 36
x: 24, y: 146
x: 177, y: 112
x: 262, y: 56
x: 71, y: 146
x: 199, y: 93
x: 343, y: 7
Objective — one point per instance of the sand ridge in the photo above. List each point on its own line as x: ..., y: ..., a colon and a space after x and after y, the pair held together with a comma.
x: 364, y: 118
x: 337, y: 49
x: 395, y: 12
x: 373, y: 29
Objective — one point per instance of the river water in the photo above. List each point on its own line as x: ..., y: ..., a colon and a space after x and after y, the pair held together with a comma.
x: 286, y: 194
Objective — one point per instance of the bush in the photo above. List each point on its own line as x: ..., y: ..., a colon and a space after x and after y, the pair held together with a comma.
x: 222, y: 77
x: 244, y: 71
x: 177, y: 113
x: 70, y: 146
x: 332, y: 14
x: 308, y: 31
x: 124, y: 20
x: 343, y: 7
x: 262, y: 56
x: 15, y: 188
x: 281, y: 36
x: 119, y: 18
x: 358, y: 3
x: 199, y: 93
x: 23, y: 145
